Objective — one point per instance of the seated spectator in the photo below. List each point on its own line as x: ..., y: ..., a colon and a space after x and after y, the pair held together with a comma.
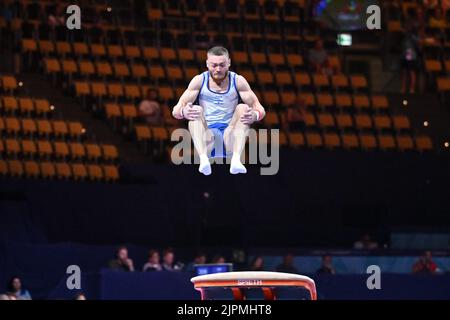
x: 80, y: 296
x: 296, y: 114
x: 327, y: 265
x: 257, y: 264
x: 57, y: 18
x: 438, y: 20
x: 15, y: 290
x: 122, y: 262
x: 169, y: 261
x: 425, y: 264
x: 6, y: 296
x: 152, y: 262
x: 200, y: 258
x: 318, y: 58
x: 150, y: 109
x: 365, y: 242
x: 218, y: 259
x: 287, y: 265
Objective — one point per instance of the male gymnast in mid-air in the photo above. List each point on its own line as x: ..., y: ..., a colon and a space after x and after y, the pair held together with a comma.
x: 219, y: 104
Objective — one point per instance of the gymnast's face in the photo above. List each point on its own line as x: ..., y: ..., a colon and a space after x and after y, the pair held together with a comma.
x: 218, y: 66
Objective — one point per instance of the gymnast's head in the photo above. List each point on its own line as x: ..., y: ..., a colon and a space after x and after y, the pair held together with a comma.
x: 218, y: 63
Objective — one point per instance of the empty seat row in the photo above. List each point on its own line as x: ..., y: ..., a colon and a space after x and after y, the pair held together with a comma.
x: 59, y: 170
x: 41, y: 127
x: 58, y: 149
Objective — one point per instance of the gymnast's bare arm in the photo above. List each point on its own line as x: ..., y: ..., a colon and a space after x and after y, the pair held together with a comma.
x: 188, y: 97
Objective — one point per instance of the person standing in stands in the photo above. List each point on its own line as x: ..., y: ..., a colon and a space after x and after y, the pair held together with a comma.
x: 410, y: 58
x: 122, y: 262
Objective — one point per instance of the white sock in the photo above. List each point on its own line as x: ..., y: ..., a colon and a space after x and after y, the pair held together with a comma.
x: 236, y: 166
x: 205, y: 166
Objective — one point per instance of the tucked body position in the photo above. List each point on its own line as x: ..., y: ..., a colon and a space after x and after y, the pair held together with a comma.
x: 220, y: 107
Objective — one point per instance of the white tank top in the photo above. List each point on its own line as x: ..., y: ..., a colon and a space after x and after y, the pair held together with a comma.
x: 218, y: 107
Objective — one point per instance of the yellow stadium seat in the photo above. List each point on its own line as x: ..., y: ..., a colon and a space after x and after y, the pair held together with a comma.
x: 405, y: 142
x: 424, y: 143
x: 31, y: 169
x: 26, y: 105
x: 29, y: 148
x: 296, y: 139
x: 42, y: 106
x: 44, y: 127
x: 143, y: 133
x: 63, y: 170
x: 12, y: 146
x: 79, y: 171
x: 77, y: 150
x: 47, y: 170
x: 45, y: 149
x: 350, y: 141
x: 331, y: 140
x: 3, y: 168
x: 386, y: 142
x: 110, y: 152
x: 95, y: 172
x: 10, y: 104
x: 60, y: 128
x: 12, y: 125
x: 313, y: 139
x: 61, y: 149
x: 15, y: 168
x: 111, y: 173
x: 93, y: 151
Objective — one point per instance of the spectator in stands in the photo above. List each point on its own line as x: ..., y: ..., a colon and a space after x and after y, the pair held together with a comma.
x: 287, y: 265
x: 410, y: 58
x: 318, y: 58
x: 200, y: 258
x: 296, y: 114
x: 152, y: 262
x: 6, y: 296
x: 431, y: 4
x: 150, y: 109
x: 169, y: 261
x: 445, y: 5
x: 15, y: 290
x: 80, y: 296
x: 438, y: 19
x: 122, y: 262
x: 257, y: 264
x: 327, y: 265
x: 218, y: 259
x: 419, y: 21
x: 57, y: 18
x: 425, y: 264
x: 204, y: 40
x: 365, y: 242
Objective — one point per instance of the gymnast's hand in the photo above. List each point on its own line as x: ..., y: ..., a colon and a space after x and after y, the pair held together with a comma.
x: 249, y: 116
x: 192, y: 112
